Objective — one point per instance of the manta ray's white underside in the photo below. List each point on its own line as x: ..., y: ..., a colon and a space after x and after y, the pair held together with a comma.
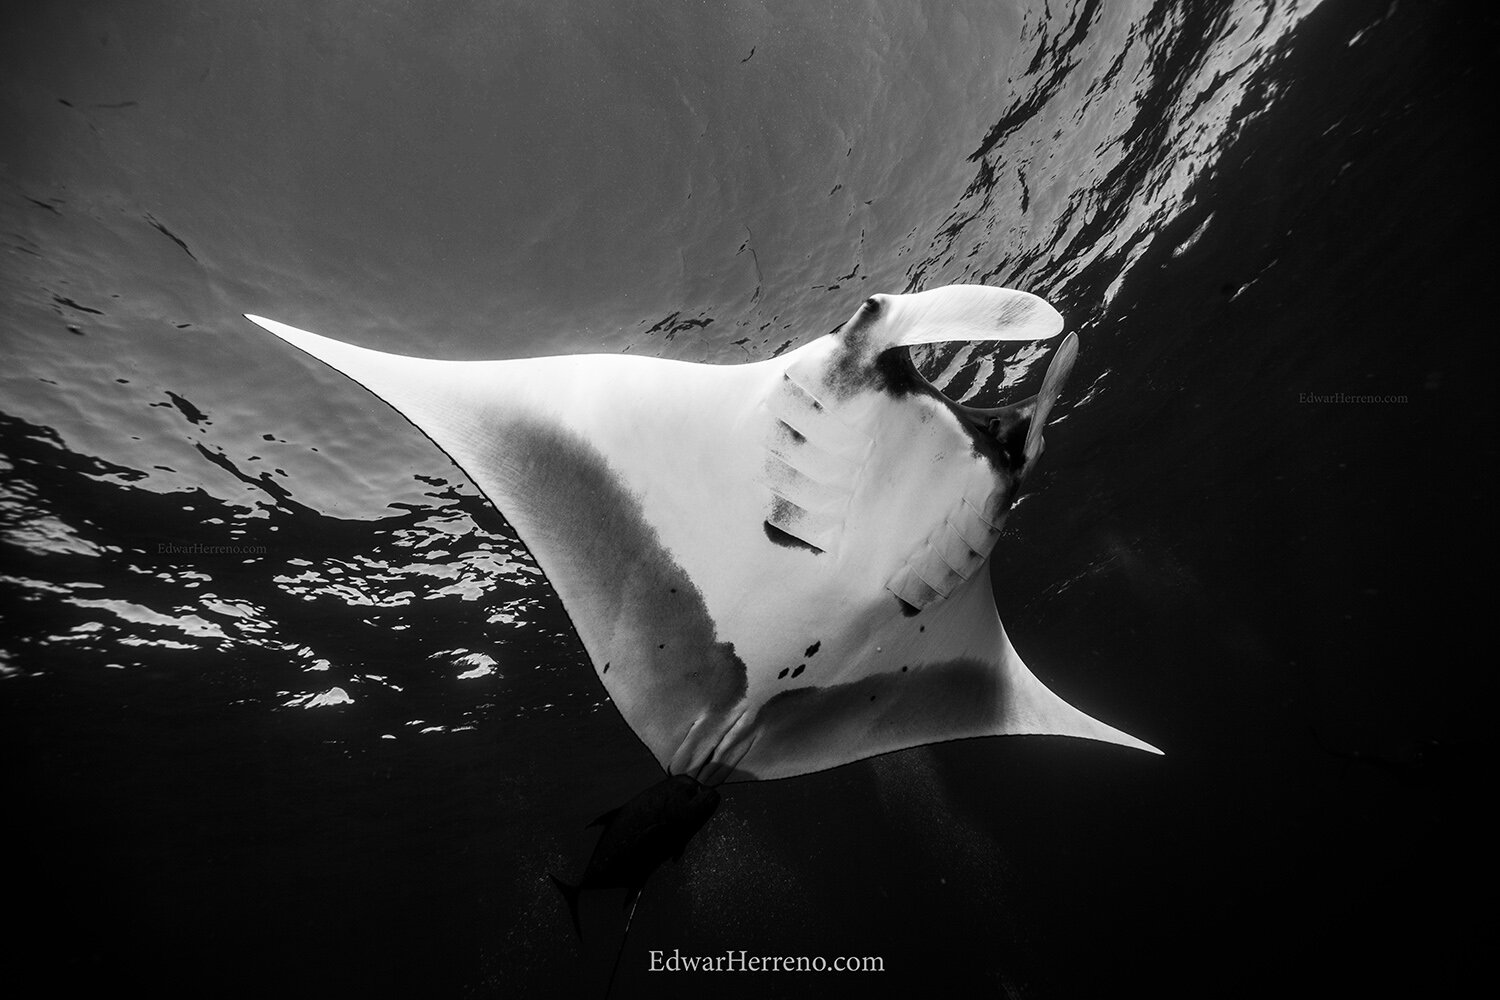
x: 775, y: 567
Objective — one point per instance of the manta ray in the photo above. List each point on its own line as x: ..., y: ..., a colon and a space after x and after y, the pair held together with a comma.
x: 776, y: 567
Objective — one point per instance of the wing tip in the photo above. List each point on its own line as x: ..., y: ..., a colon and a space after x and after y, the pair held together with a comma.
x: 1104, y: 733
x: 1136, y: 744
x: 281, y: 330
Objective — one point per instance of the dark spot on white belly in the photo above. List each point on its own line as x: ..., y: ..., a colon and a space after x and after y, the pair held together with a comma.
x: 785, y: 540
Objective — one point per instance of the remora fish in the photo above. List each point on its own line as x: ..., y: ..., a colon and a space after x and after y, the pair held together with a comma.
x: 639, y: 836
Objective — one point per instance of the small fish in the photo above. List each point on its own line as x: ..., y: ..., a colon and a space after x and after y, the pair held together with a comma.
x: 638, y: 837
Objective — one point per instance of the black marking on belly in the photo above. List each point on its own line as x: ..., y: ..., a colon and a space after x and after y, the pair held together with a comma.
x: 813, y: 648
x: 782, y: 675
x: 582, y: 515
x: 852, y: 369
x: 789, y: 541
x: 894, y: 373
x: 941, y: 701
x: 798, y: 672
x: 605, y: 670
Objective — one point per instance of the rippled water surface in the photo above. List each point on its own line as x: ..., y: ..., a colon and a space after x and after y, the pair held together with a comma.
x: 288, y: 708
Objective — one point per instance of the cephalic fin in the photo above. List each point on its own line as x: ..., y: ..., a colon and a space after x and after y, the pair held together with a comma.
x: 1052, y: 384
x: 962, y: 313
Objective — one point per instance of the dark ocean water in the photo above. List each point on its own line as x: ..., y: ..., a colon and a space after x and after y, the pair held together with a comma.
x: 287, y: 710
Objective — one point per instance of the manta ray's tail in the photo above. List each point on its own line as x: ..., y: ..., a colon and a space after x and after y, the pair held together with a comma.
x: 569, y: 893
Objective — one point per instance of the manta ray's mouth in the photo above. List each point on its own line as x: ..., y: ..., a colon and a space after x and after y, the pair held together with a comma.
x: 1002, y: 427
